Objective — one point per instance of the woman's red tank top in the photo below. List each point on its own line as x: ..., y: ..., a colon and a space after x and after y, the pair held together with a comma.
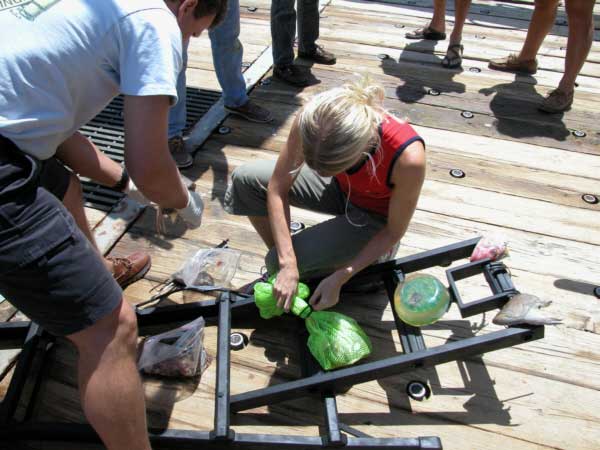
x: 372, y: 191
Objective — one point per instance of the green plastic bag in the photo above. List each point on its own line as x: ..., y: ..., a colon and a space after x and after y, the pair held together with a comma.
x: 335, y: 340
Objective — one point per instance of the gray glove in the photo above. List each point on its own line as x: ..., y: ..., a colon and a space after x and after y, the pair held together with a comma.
x: 192, y: 213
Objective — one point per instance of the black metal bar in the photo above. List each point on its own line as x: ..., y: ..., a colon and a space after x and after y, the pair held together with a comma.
x: 411, y: 338
x: 497, y: 277
x: 158, y: 315
x: 390, y: 366
x: 441, y: 256
x: 12, y: 334
x: 184, y: 439
x: 222, y: 414
x: 21, y: 374
x: 333, y: 437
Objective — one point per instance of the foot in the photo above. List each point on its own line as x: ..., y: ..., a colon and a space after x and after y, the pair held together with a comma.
x: 557, y: 101
x: 182, y: 157
x: 130, y: 269
x: 512, y: 63
x: 453, y: 56
x: 426, y: 33
x: 292, y: 74
x: 319, y: 55
x: 252, y: 112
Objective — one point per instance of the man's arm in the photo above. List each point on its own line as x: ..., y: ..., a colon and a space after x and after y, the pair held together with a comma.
x: 147, y: 156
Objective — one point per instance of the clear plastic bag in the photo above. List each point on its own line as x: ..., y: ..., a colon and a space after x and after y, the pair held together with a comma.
x: 175, y: 353
x: 208, y: 269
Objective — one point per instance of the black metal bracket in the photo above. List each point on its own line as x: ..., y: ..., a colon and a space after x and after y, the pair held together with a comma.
x: 314, y: 381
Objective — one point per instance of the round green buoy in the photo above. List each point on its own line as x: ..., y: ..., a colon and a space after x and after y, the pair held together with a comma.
x: 421, y: 300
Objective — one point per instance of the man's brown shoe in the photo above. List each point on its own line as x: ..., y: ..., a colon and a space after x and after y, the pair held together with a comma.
x: 557, y: 101
x: 319, y: 55
x: 182, y: 157
x: 512, y: 64
x: 130, y: 269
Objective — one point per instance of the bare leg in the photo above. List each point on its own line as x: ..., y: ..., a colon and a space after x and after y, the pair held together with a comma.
x: 581, y: 35
x: 109, y: 384
x: 438, y: 21
x: 263, y: 228
x: 460, y: 15
x: 83, y: 157
x: 541, y: 23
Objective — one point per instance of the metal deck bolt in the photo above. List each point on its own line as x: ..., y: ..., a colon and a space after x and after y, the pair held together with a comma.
x: 399, y: 25
x: 578, y: 133
x: 433, y: 92
x: 394, y: 112
x: 479, y: 36
x: 295, y: 227
x: 252, y: 8
x: 265, y: 82
x: 237, y: 341
x: 418, y: 390
x: 457, y: 173
x: 474, y: 69
x: 383, y: 56
x: 224, y: 130
x: 467, y: 114
x: 590, y: 198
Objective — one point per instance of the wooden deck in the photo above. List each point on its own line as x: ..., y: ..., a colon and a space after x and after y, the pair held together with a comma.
x: 525, y: 175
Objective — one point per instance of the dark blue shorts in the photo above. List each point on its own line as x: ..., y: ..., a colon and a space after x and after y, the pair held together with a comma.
x: 48, y: 268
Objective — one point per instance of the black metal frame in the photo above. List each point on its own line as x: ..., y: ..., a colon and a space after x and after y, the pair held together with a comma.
x: 35, y: 342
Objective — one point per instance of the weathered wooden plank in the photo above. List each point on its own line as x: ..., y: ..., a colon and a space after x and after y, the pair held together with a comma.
x: 556, y: 136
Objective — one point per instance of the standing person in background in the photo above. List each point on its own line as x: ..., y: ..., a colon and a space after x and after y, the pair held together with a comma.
x: 345, y: 156
x: 71, y: 59
x: 581, y: 36
x: 283, y: 32
x: 227, y: 52
x: 436, y: 30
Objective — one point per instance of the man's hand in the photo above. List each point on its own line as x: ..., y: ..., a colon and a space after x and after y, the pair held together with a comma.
x: 285, y: 287
x: 327, y: 293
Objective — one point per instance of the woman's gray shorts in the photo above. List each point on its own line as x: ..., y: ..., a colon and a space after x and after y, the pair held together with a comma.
x: 319, y: 249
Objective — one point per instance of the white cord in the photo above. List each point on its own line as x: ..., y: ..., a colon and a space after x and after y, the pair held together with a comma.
x: 348, y: 202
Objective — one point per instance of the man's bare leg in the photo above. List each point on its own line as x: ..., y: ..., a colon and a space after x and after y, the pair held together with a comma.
x: 109, y: 384
x: 581, y: 35
x: 541, y: 23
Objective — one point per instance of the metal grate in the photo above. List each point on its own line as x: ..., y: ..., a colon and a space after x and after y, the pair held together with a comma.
x: 107, y: 132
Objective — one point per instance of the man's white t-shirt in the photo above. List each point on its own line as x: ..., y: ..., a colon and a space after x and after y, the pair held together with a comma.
x: 63, y: 61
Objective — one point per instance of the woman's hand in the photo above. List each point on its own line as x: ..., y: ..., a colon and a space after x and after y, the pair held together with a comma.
x: 286, y: 286
x: 327, y: 293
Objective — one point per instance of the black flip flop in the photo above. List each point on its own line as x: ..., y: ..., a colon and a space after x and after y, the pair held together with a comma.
x: 426, y: 33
